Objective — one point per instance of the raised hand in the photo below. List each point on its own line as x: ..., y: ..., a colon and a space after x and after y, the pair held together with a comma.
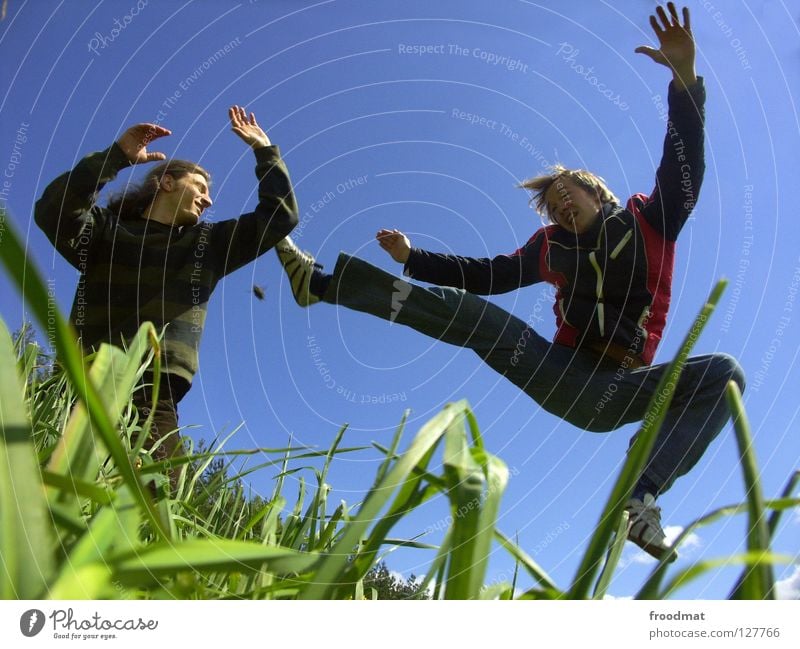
x: 134, y: 141
x: 395, y: 243
x: 676, y: 44
x: 247, y: 129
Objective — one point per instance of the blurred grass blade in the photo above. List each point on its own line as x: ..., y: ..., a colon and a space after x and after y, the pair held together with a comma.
x: 465, y: 482
x: 650, y: 589
x: 757, y: 582
x: 612, y: 558
x: 753, y: 559
x: 162, y: 560
x: 496, y: 474
x: 99, y: 495
x: 639, y: 453
x: 26, y: 534
x: 113, y: 530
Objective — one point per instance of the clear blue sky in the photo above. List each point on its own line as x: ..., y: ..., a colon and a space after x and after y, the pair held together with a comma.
x: 376, y: 135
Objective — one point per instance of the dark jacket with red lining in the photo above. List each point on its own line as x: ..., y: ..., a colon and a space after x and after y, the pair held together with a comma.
x: 613, y: 282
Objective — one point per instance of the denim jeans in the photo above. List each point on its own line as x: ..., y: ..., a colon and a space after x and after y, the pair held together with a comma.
x: 587, y: 390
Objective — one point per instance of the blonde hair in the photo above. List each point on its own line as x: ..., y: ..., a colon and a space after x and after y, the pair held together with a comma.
x: 539, y: 185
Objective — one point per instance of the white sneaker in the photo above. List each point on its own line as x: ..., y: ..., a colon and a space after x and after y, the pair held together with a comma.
x: 299, y: 267
x: 644, y: 528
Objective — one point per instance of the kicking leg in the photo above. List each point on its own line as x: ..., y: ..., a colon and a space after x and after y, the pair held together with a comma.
x: 451, y: 315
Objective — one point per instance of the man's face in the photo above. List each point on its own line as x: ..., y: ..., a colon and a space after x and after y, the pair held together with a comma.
x: 191, y: 198
x: 571, y: 206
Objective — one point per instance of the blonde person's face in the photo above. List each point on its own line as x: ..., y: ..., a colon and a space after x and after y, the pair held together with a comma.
x: 571, y: 206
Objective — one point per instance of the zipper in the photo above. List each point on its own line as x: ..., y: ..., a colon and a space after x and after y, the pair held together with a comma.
x: 599, y: 291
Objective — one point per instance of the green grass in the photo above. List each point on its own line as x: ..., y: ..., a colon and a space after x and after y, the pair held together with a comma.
x: 77, y: 519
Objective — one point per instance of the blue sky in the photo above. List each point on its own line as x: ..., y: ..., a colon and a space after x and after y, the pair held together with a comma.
x: 432, y: 140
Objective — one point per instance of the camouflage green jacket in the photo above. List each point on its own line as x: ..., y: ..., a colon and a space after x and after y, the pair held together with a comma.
x: 135, y: 270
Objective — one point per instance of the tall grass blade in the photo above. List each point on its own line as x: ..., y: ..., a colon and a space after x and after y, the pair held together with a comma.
x: 639, y: 453
x: 612, y: 559
x: 758, y: 582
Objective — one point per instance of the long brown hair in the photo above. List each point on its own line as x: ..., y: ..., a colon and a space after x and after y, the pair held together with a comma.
x: 131, y: 202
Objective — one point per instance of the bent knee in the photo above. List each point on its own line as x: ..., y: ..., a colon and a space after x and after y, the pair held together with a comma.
x: 731, y: 370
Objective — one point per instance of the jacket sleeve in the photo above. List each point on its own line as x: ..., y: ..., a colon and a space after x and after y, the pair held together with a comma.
x: 482, y: 276
x: 66, y: 212
x: 237, y: 242
x: 680, y: 173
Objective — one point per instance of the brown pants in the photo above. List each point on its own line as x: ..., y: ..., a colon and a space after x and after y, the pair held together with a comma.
x: 165, y: 418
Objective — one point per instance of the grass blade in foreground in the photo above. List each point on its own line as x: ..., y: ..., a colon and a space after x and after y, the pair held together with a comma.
x: 650, y: 589
x: 29, y: 282
x: 25, y: 529
x: 612, y: 559
x: 336, y: 562
x: 639, y: 453
x: 757, y: 582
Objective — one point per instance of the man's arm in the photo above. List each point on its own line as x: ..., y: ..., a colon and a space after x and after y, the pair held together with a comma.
x: 680, y: 172
x: 482, y: 276
x: 240, y: 241
x: 66, y: 211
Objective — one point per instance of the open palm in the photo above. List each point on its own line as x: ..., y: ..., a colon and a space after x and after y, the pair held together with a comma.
x: 247, y: 128
x: 134, y: 141
x: 676, y: 43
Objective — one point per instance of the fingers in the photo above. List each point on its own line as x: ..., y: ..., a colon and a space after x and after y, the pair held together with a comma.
x: 670, y: 21
x: 239, y: 117
x: 656, y: 27
x: 147, y: 132
x: 664, y: 19
x: 673, y: 12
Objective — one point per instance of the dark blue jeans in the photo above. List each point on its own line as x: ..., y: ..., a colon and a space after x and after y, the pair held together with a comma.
x: 581, y: 387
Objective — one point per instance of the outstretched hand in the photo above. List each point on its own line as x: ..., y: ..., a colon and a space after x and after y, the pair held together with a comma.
x: 247, y: 129
x: 676, y: 44
x: 395, y: 243
x: 134, y: 141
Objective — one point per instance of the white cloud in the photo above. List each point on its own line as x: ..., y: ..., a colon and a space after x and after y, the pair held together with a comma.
x: 789, y: 588
x: 615, y: 597
x: 689, y: 544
